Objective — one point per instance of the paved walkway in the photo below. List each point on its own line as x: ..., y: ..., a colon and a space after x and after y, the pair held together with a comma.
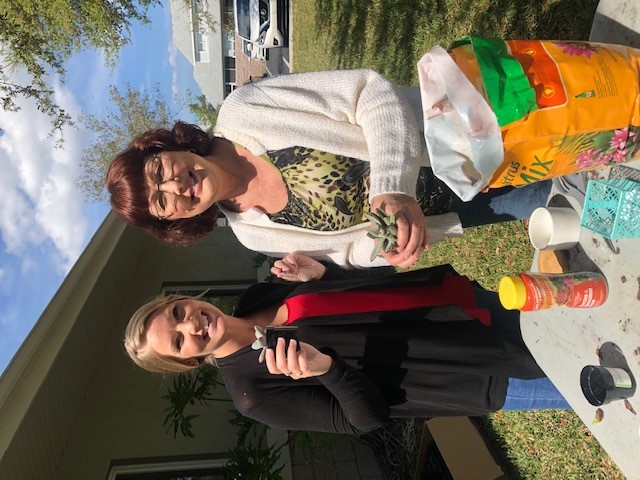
x: 344, y: 459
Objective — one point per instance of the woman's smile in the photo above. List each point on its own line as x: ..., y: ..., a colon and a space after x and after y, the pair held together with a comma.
x: 196, y: 186
x: 180, y: 184
x: 208, y: 326
x: 186, y: 329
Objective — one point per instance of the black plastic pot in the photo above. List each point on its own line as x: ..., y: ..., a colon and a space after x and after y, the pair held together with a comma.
x: 601, y: 385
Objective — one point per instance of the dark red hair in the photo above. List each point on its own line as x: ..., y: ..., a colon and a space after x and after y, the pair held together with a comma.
x: 127, y: 184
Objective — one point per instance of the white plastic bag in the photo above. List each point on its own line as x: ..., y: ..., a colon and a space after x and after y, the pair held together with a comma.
x: 461, y: 131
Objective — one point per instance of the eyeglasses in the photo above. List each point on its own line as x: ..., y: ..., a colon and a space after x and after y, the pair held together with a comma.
x: 163, y: 198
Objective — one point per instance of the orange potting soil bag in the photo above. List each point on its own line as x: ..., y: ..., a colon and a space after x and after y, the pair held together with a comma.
x: 562, y: 107
x: 514, y: 112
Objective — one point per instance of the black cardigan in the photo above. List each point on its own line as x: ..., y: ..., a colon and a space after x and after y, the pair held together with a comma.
x: 421, y: 362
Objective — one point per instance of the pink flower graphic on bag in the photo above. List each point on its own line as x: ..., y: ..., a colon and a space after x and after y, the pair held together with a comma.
x: 577, y: 48
x: 602, y: 148
x: 620, y: 155
x: 621, y: 137
x: 588, y: 158
x: 605, y: 158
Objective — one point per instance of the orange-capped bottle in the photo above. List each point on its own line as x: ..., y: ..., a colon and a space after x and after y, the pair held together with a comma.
x: 537, y: 291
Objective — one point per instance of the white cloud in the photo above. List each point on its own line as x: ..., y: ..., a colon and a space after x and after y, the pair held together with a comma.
x: 171, y: 48
x: 41, y: 202
x: 173, y: 51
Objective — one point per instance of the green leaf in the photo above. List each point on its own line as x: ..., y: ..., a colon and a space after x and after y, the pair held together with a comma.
x: 376, y: 250
x: 602, y: 141
x: 371, y: 217
x: 188, y: 389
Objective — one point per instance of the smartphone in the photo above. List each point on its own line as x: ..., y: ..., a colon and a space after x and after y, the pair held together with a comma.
x: 288, y: 332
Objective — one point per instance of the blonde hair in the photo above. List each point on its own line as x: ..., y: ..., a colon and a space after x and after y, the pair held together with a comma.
x: 135, y: 339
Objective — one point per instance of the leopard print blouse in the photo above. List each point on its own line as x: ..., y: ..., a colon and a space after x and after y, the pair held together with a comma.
x: 330, y: 192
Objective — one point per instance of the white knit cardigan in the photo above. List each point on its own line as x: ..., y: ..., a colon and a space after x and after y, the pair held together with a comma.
x: 356, y: 113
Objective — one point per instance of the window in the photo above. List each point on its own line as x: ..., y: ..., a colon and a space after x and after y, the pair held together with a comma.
x: 229, y: 75
x: 201, y: 30
x: 229, y: 44
x: 244, y: 18
x: 229, y: 69
x: 189, y: 467
x: 202, y: 47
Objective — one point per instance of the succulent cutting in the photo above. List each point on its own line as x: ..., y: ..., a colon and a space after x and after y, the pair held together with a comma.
x: 384, y: 230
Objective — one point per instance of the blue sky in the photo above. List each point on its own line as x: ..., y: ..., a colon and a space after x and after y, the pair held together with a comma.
x: 45, y: 222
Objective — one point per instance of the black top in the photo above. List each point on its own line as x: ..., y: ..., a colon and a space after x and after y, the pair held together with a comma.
x: 413, y: 363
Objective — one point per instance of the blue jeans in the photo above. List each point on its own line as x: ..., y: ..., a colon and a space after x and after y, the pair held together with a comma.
x: 502, y: 204
x: 536, y: 394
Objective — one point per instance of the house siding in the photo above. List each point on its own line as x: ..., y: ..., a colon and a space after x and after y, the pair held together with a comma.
x: 94, y: 405
x: 209, y: 75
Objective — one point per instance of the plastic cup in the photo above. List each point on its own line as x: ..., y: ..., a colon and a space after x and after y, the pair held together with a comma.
x: 554, y: 228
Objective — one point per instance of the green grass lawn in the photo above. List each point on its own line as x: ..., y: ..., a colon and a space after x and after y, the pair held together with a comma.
x: 390, y: 36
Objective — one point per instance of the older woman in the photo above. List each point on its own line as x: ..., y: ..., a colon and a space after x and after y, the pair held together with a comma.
x: 295, y: 163
x: 403, y: 345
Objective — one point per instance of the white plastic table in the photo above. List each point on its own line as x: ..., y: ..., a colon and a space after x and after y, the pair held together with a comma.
x: 564, y: 340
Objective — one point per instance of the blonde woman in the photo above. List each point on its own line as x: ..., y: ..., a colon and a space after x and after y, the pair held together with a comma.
x: 412, y: 344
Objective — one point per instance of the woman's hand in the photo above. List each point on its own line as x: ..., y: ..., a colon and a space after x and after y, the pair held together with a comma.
x: 413, y: 236
x: 297, y: 267
x: 304, y: 363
